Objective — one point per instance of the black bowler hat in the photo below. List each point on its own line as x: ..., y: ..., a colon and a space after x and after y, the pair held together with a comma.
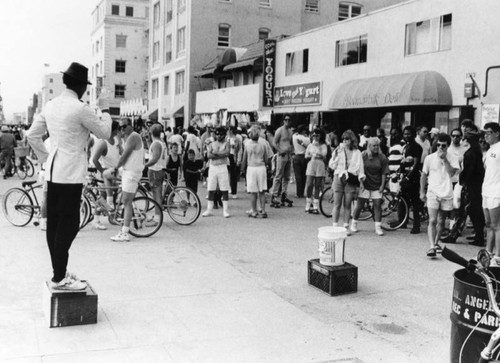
x: 78, y: 72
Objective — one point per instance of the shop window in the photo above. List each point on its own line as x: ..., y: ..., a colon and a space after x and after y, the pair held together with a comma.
x: 121, y: 41
x: 264, y: 33
x: 168, y: 48
x: 348, y: 10
x: 154, y: 88
x: 115, y: 9
x: 427, y: 36
x: 297, y: 62
x: 166, y: 85
x: 223, y: 39
x: 181, y: 40
x: 179, y: 83
x: 156, y: 52
x: 119, y: 91
x: 120, y: 66
x: 351, y: 51
x: 312, y: 6
x: 156, y: 14
x: 129, y: 11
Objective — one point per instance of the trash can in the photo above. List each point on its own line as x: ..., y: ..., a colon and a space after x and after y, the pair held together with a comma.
x: 471, y: 322
x: 331, y: 245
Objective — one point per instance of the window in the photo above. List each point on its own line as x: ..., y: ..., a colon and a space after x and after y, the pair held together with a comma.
x: 114, y: 111
x: 51, y: 80
x: 156, y: 14
x: 51, y: 91
x: 264, y: 33
x: 265, y: 3
x: 297, y: 62
x: 179, y: 83
x: 168, y: 48
x: 181, y: 39
x: 97, y: 46
x: 166, y: 84
x: 102, y: 43
x: 347, y: 10
x: 156, y: 52
x: 120, y: 66
x: 115, y: 9
x: 129, y: 11
x: 181, y: 6
x: 119, y: 91
x: 224, y: 35
x: 312, y: 6
x: 154, y: 88
x: 351, y: 51
x: 169, y: 8
x: 121, y: 41
x: 146, y: 14
x: 429, y: 35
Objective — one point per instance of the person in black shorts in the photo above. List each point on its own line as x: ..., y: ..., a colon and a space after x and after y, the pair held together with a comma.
x: 191, y: 171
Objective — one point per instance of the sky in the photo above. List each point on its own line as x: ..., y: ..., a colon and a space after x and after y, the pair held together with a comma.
x: 38, y: 32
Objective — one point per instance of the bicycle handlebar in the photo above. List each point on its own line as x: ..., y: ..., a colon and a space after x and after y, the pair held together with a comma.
x: 452, y: 256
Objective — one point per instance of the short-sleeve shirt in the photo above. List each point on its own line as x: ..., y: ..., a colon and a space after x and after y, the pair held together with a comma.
x: 375, y: 167
x: 492, y: 172
x: 439, y: 181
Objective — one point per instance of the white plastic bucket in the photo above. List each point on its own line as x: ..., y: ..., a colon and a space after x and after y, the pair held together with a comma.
x: 331, y: 245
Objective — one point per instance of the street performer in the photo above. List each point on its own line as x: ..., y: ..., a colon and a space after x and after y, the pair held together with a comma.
x: 69, y: 122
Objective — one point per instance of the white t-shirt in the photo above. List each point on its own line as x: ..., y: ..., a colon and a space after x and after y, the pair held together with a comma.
x: 491, y: 184
x: 426, y: 147
x: 438, y: 179
x: 458, y: 152
x: 300, y: 148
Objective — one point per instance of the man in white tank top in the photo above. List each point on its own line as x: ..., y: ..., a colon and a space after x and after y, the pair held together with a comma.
x: 132, y: 161
x: 157, y: 164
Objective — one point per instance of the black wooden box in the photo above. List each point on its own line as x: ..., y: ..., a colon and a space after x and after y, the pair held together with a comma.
x: 334, y: 280
x: 65, y: 308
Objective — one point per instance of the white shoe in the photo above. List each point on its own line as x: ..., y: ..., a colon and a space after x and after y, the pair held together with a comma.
x: 379, y: 231
x: 346, y: 226
x: 226, y: 214
x: 354, y: 226
x: 68, y: 284
x: 207, y: 213
x: 234, y: 196
x: 151, y: 223
x: 98, y: 225
x: 121, y: 237
x: 43, y: 224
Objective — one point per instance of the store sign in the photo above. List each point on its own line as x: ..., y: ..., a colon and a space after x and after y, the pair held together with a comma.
x: 299, y: 94
x: 490, y: 113
x: 469, y: 90
x: 269, y: 72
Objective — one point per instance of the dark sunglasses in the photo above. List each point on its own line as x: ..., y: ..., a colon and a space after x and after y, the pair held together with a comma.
x: 442, y: 146
x: 123, y: 127
x: 455, y: 135
x: 347, y: 138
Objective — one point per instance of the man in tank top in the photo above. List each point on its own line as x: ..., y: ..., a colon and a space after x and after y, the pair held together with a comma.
x: 156, y: 167
x: 132, y: 161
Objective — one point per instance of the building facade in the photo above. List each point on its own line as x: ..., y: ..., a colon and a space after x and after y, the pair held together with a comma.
x: 119, y: 41
x: 185, y: 35
x: 418, y: 62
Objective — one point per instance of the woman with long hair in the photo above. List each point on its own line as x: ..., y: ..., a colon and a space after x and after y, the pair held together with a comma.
x: 316, y: 153
x: 348, y: 165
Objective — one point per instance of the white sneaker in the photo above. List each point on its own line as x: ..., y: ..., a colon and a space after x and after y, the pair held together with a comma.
x: 346, y: 226
x: 379, y: 231
x: 121, y: 237
x: 207, y: 213
x: 354, y: 226
x: 98, y: 225
x: 234, y: 196
x: 68, y: 284
x: 151, y: 223
x: 43, y: 224
x: 226, y: 214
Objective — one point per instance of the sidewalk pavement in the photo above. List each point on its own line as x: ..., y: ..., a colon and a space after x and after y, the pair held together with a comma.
x: 229, y: 290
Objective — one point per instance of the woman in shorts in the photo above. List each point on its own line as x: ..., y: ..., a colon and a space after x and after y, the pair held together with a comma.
x: 316, y: 153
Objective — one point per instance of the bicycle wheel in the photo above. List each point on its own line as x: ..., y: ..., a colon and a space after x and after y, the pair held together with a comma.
x: 18, y: 207
x: 20, y: 170
x: 143, y: 223
x: 183, y: 206
x: 85, y: 212
x: 394, y: 211
x: 326, y: 202
x: 29, y: 168
x: 366, y: 212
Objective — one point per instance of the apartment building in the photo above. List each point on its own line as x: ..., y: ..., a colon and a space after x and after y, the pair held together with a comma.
x: 186, y: 35
x: 119, y: 41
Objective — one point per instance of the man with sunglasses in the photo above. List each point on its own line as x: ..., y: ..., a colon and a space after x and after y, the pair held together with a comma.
x: 132, y: 161
x: 437, y: 173
x: 491, y: 191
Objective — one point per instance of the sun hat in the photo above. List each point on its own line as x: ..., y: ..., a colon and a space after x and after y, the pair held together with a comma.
x: 434, y: 130
x: 78, y: 72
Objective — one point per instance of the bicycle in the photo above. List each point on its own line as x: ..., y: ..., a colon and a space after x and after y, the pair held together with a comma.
x: 142, y: 224
x: 181, y: 203
x: 479, y: 267
x: 21, y: 205
x: 24, y: 168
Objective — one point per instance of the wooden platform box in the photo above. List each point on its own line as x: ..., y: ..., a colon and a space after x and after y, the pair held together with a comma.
x: 65, y: 308
x: 334, y: 280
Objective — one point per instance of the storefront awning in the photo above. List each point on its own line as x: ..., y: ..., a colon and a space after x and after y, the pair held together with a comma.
x: 242, y: 64
x: 205, y: 73
x: 179, y: 112
x: 427, y: 88
x: 151, y: 115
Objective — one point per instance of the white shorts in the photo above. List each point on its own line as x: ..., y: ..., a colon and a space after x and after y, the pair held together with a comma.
x: 218, y: 175
x: 256, y: 179
x: 130, y: 181
x: 435, y: 202
x: 370, y: 194
x: 491, y: 202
